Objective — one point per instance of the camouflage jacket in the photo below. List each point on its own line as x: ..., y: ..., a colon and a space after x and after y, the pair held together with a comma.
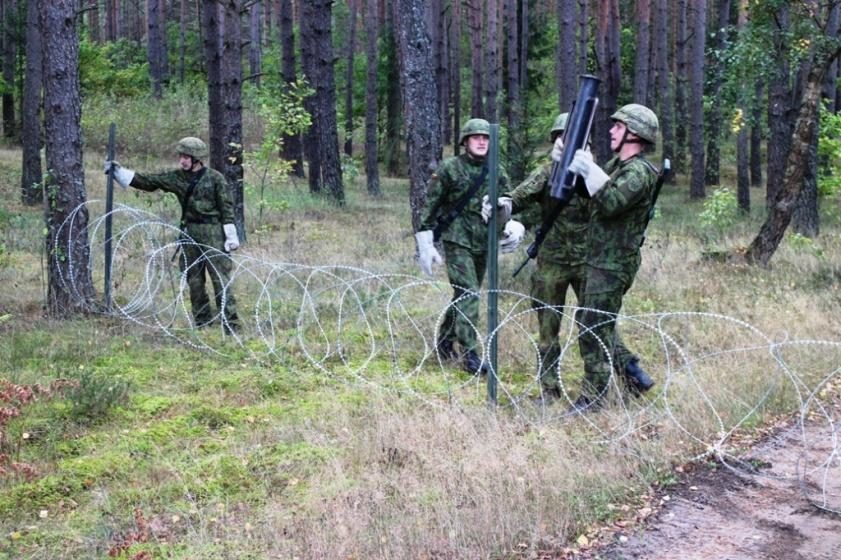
x: 618, y: 215
x: 566, y: 242
x: 209, y: 206
x: 451, y: 181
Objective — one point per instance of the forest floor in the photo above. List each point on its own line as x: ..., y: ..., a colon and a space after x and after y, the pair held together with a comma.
x: 721, y: 513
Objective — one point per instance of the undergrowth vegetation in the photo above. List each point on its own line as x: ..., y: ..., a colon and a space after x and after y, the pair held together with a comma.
x: 149, y: 448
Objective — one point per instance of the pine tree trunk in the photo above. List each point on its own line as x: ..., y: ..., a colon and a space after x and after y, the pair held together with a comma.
x: 31, y: 190
x: 779, y: 108
x: 10, y: 33
x: 393, y: 116
x: 292, y: 149
x: 664, y: 82
x: 516, y: 166
x: 156, y: 46
x: 255, y: 45
x: 316, y: 21
x: 231, y: 80
x: 94, y: 30
x: 696, y: 113
x: 492, y: 62
x: 70, y: 287
x: 680, y: 49
x: 211, y: 22
x: 372, y: 171
x: 455, y: 72
x: 607, y: 53
x: 713, y: 157
x: 756, y: 138
x: 566, y: 65
x: 477, y: 49
x: 643, y: 48
x: 424, y: 143
x: 806, y: 219
x: 351, y: 51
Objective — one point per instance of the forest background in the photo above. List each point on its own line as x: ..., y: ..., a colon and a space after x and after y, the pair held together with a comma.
x: 317, y: 113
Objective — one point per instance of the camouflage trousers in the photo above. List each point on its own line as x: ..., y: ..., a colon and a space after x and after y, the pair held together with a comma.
x: 549, y: 284
x: 466, y: 271
x: 599, y: 340
x: 199, y: 261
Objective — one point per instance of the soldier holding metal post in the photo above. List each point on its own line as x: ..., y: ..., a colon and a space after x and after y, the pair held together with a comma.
x: 453, y: 214
x: 207, y: 222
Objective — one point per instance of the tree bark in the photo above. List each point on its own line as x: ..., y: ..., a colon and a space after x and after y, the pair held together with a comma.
x: 211, y: 22
x: 608, y: 62
x: 372, y: 171
x: 516, y: 137
x: 643, y: 48
x: 10, y: 34
x: 255, y: 44
x: 351, y: 51
x: 566, y: 66
x: 455, y: 72
x: 292, y: 148
x: 492, y: 62
x: 664, y: 82
x: 156, y: 46
x: 31, y: 190
x: 696, y: 114
x: 712, y: 174
x: 756, y: 137
x: 424, y: 143
x: 779, y: 110
x: 393, y: 116
x: 316, y: 21
x: 70, y: 287
x: 231, y: 81
x: 681, y: 78
x: 477, y: 49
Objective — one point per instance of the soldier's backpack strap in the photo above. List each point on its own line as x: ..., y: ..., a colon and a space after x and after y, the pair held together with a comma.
x: 190, y: 188
x: 662, y: 174
x: 445, y: 220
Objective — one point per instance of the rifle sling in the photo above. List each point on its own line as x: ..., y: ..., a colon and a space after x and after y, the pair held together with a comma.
x: 190, y: 188
x: 445, y: 221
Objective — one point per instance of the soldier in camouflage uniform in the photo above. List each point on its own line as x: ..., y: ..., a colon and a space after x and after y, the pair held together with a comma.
x: 561, y: 262
x: 207, y: 219
x: 465, y: 240
x: 622, y: 195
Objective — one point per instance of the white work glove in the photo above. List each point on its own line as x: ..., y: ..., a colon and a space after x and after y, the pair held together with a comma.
x: 558, y: 148
x: 513, y: 235
x: 594, y: 177
x: 120, y: 173
x: 427, y: 253
x: 231, y: 237
x: 503, y: 205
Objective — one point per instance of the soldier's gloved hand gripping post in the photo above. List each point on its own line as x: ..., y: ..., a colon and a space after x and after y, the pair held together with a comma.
x: 453, y: 215
x: 207, y: 218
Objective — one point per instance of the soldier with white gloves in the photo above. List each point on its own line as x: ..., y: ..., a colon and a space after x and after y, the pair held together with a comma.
x: 455, y: 199
x: 207, y: 224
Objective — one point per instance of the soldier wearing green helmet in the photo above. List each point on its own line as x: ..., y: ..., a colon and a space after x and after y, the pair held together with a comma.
x: 621, y: 196
x: 453, y: 211
x: 207, y: 226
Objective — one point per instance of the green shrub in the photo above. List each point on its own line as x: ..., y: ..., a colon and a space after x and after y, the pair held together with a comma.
x: 721, y: 211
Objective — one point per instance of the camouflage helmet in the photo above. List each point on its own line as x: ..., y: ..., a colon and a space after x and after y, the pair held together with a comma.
x: 560, y: 124
x: 193, y: 147
x: 639, y: 120
x: 474, y: 126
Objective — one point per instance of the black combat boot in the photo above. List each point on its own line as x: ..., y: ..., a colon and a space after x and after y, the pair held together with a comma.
x: 547, y: 396
x: 446, y: 351
x: 584, y: 404
x: 638, y: 381
x: 473, y: 365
